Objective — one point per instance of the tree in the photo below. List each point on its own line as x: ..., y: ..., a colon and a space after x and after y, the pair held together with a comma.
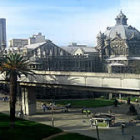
x: 14, y: 65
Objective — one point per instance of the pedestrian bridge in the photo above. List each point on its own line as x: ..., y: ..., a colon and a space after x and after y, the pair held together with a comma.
x: 104, y: 82
x: 98, y: 82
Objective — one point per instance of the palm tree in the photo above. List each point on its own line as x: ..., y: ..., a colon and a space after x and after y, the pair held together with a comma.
x: 14, y: 65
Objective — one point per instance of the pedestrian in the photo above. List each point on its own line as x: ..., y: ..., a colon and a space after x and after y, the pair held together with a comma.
x: 115, y: 102
x: 136, y: 100
x: 83, y: 110
x: 3, y: 98
x: 44, y: 107
x: 91, y: 122
x: 133, y: 138
x: 122, y: 128
x: 128, y: 101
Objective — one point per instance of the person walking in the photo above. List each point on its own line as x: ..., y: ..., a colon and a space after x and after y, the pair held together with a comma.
x: 44, y: 107
x: 128, y: 101
x: 122, y: 128
x: 116, y: 103
x: 132, y: 138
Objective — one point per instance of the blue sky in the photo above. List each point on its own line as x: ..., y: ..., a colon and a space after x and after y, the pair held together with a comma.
x: 65, y: 21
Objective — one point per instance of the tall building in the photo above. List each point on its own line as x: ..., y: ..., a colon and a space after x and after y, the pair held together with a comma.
x: 2, y: 33
x: 36, y: 39
x: 19, y: 43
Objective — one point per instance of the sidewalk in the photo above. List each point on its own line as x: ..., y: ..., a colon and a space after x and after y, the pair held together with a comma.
x: 74, y: 121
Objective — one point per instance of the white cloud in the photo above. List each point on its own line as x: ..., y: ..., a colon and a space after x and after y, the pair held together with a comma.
x: 77, y: 24
x: 132, y: 10
x: 83, y: 28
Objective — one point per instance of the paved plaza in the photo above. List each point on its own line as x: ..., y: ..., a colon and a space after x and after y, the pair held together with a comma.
x: 74, y: 121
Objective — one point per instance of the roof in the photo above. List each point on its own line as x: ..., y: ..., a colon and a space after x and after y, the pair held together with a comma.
x: 12, y: 48
x: 72, y: 50
x: 134, y: 58
x: 118, y: 58
x: 121, y: 29
x: 124, y: 31
x: 123, y: 58
x: 33, y: 46
x: 116, y: 64
x: 89, y: 49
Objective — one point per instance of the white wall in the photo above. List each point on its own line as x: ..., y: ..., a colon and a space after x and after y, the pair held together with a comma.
x: 123, y: 81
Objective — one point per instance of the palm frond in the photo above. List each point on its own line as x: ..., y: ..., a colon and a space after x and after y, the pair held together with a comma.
x: 15, y: 63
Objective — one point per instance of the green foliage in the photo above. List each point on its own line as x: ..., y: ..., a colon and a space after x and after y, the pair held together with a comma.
x: 29, y: 130
x: 133, y: 99
x: 87, y: 102
x: 16, y: 64
x: 24, y: 130
x: 102, y: 124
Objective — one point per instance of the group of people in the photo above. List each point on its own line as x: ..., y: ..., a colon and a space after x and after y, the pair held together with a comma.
x: 4, y: 98
x: 53, y: 106
x: 45, y: 107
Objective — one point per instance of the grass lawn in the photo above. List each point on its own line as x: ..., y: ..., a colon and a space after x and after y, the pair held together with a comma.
x: 72, y: 136
x: 133, y: 99
x: 87, y: 102
x: 29, y: 130
x: 24, y: 130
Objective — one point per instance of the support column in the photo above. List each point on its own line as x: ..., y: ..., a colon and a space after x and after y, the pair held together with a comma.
x: 28, y: 101
x: 110, y: 96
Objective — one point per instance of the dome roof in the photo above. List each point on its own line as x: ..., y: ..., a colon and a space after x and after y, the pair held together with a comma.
x: 121, y: 29
x: 124, y: 31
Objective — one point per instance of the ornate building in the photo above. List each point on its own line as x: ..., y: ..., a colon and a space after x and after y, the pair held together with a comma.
x: 117, y: 51
x: 119, y: 46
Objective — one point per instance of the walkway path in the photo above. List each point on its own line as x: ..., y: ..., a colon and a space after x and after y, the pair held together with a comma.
x: 74, y: 121
x: 53, y: 136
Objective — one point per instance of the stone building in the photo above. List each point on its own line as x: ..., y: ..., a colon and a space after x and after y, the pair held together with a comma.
x: 48, y: 56
x: 119, y: 46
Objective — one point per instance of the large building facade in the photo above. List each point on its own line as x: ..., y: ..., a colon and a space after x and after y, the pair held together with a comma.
x: 117, y: 51
x: 48, y: 56
x: 119, y: 46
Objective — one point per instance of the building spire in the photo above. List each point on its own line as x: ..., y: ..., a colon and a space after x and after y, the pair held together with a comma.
x: 121, y: 19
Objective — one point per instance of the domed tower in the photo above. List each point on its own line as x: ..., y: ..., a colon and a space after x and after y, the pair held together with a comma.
x: 121, y: 19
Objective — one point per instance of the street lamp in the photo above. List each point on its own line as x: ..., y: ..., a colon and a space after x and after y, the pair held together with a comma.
x: 52, y: 116
x: 97, y: 130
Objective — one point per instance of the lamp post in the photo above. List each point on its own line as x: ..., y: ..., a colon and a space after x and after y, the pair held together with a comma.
x: 97, y: 130
x: 52, y: 116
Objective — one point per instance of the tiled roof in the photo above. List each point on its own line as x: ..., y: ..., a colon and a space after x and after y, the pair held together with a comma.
x: 33, y: 46
x: 72, y: 50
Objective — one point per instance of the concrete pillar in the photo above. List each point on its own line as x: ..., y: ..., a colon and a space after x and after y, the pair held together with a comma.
x: 110, y: 96
x: 28, y: 101
x: 120, y: 96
